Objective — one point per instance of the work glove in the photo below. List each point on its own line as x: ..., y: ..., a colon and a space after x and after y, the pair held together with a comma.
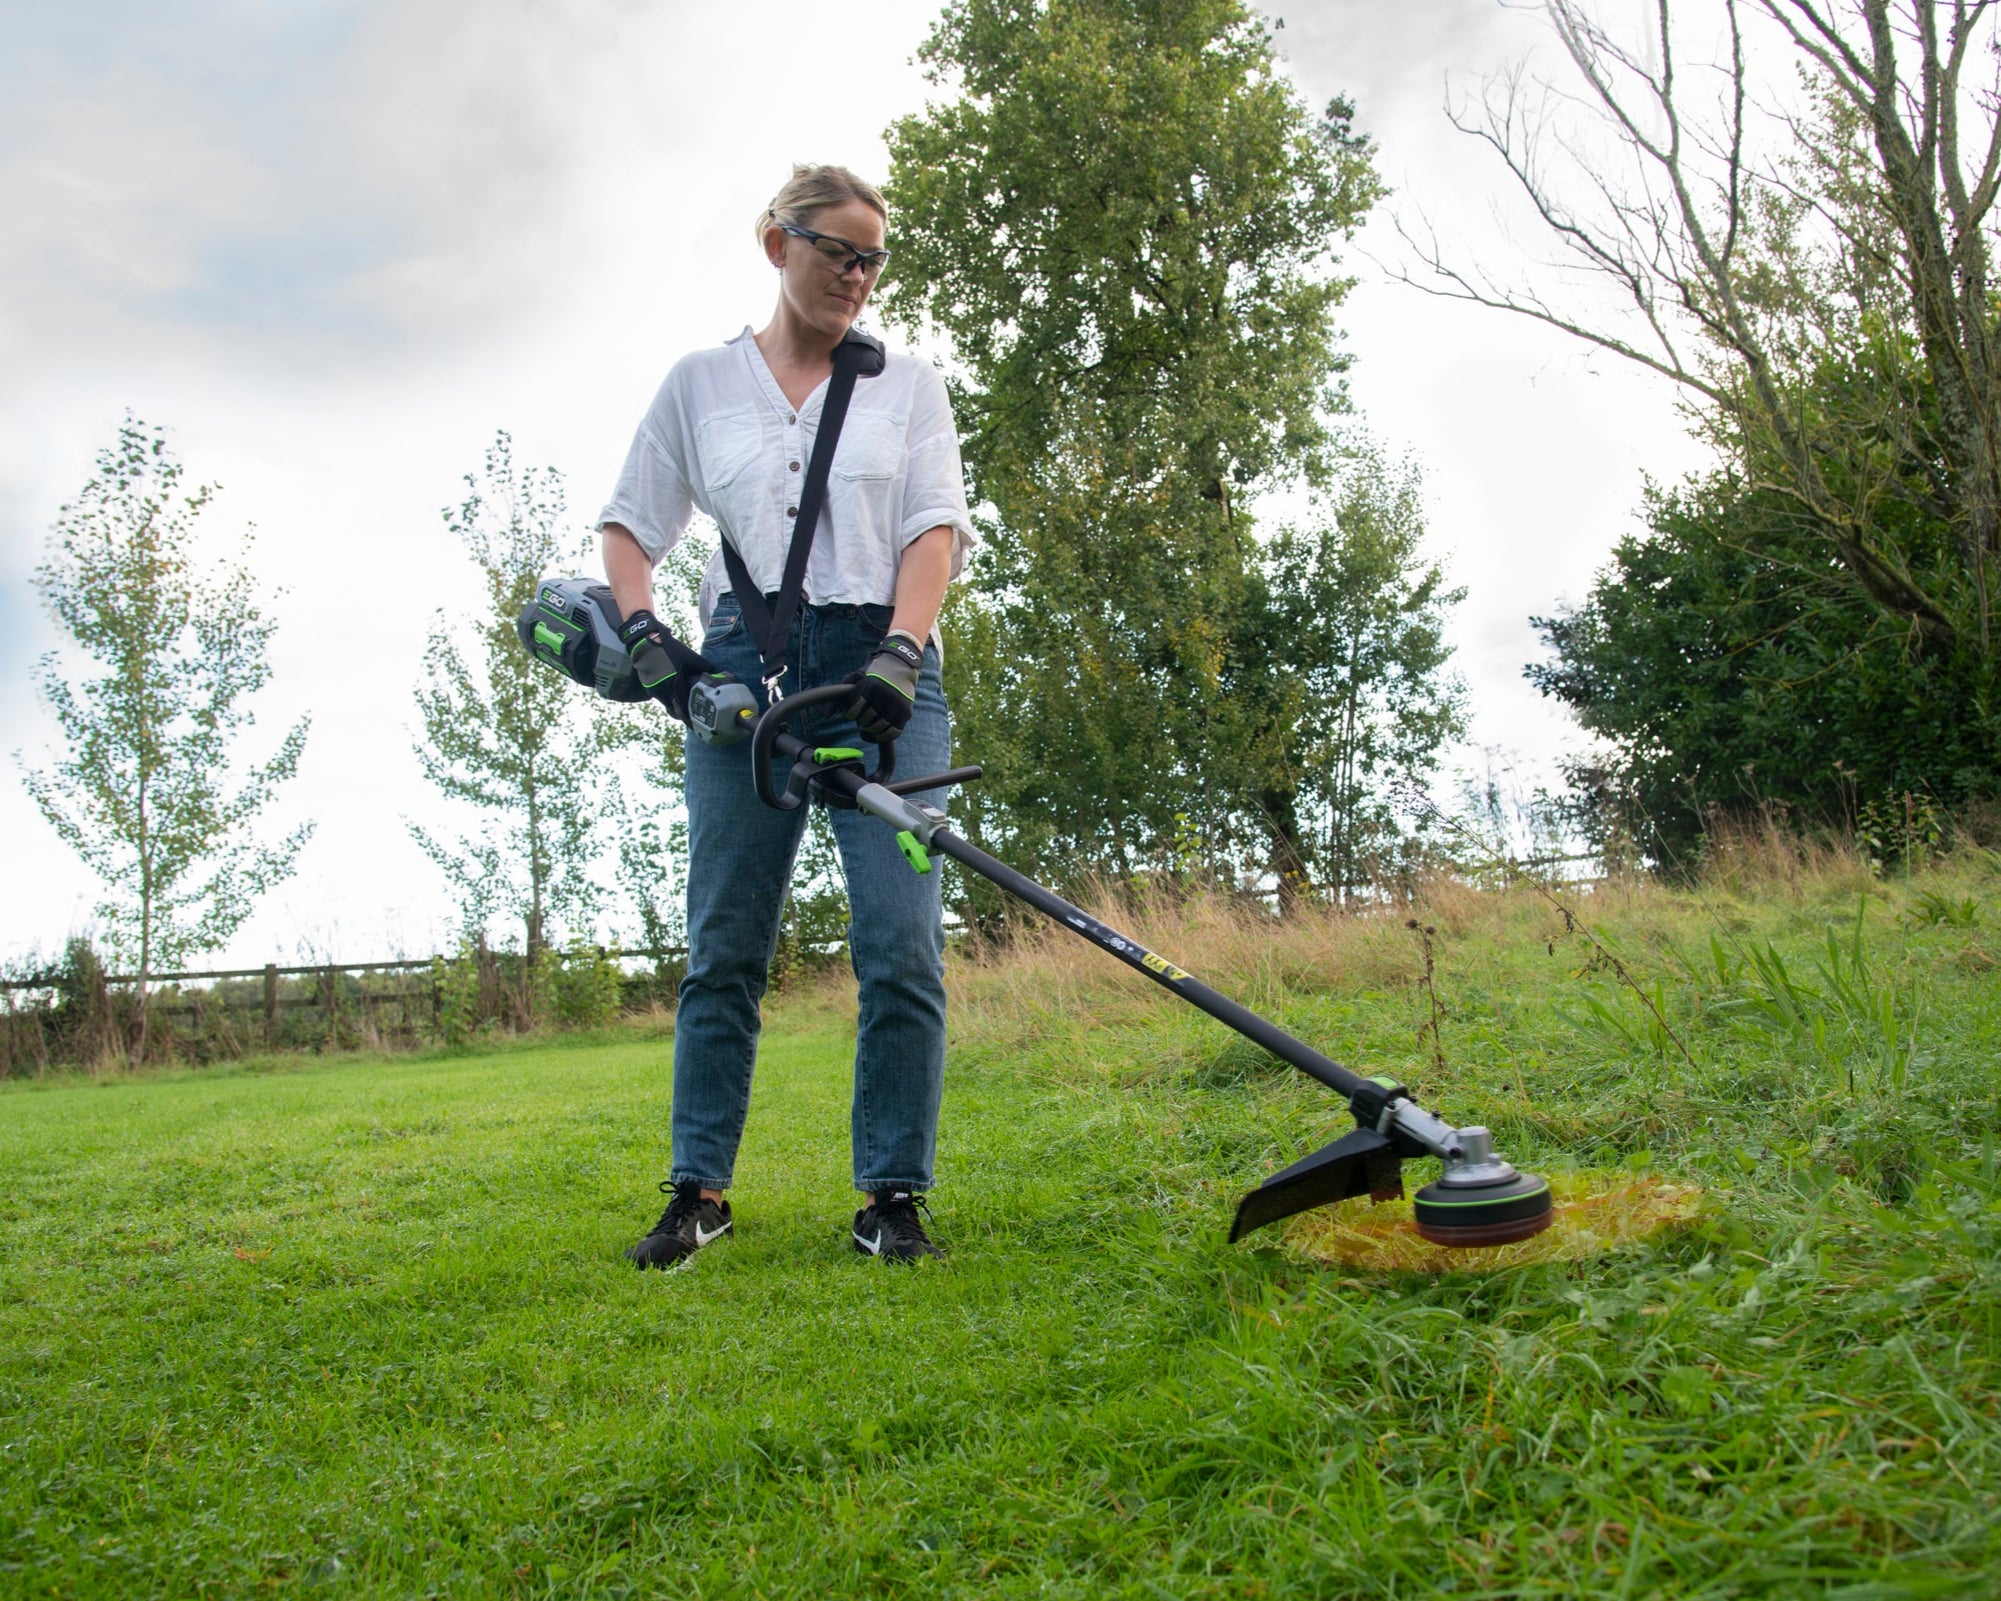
x: 886, y: 689
x: 667, y: 668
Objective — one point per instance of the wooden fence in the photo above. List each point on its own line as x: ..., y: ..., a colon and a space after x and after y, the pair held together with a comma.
x: 271, y: 972
x: 405, y: 987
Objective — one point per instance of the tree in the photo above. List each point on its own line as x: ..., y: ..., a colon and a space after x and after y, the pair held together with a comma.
x: 1124, y: 222
x: 1357, y: 626
x: 146, y: 791
x: 507, y: 736
x: 1727, y: 664
x: 1862, y: 241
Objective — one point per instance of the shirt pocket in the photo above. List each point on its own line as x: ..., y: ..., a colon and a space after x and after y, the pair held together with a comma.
x: 726, y: 445
x: 871, y: 448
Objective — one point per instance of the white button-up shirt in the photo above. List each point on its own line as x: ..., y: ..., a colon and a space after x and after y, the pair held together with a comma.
x: 721, y: 436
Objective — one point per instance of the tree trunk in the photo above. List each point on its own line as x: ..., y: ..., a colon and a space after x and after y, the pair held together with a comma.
x: 1288, y: 855
x: 136, y: 1056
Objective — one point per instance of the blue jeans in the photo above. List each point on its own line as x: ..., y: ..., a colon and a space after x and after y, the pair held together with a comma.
x: 740, y: 865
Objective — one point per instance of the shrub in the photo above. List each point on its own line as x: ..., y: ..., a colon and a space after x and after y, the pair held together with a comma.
x: 584, y: 985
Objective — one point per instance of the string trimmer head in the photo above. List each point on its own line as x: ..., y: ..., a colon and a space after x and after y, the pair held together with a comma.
x: 1479, y: 1199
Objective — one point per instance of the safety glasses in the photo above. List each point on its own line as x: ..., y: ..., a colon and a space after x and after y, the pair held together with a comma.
x: 839, y: 254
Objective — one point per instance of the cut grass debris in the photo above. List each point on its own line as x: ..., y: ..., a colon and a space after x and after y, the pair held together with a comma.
x: 1595, y: 1213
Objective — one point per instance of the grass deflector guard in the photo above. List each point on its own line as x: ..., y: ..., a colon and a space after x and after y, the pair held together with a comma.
x: 1478, y: 1200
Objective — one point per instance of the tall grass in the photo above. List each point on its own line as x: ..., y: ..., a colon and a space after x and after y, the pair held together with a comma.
x: 1818, y: 1000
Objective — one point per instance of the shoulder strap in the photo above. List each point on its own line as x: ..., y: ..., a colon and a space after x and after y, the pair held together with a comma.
x: 858, y: 355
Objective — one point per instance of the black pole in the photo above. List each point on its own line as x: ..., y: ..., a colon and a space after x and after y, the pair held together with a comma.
x: 846, y: 782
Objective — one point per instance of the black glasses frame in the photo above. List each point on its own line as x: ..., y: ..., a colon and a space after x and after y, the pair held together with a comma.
x: 870, y: 261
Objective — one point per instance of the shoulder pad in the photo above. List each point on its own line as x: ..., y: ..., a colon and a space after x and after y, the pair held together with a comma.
x: 865, y: 351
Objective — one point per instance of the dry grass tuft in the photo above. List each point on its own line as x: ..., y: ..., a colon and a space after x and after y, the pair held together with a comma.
x: 1045, y: 975
x: 1754, y: 856
x: 1595, y: 1212
x: 1493, y: 942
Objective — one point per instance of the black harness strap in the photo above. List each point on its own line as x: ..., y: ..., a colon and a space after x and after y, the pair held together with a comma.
x: 855, y: 356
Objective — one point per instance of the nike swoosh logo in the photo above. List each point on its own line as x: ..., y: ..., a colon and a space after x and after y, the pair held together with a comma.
x: 703, y: 1236
x: 874, y: 1246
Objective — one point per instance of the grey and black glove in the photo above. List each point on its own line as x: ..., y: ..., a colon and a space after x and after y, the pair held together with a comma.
x: 886, y: 689
x: 667, y: 668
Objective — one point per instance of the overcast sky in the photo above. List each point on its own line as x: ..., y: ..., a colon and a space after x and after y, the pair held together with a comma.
x: 334, y: 244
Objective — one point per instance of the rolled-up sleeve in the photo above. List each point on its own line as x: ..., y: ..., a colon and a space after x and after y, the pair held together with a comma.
x: 652, y: 497
x: 934, y: 480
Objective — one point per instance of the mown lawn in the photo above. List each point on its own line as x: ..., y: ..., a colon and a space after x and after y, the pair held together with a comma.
x: 362, y: 1326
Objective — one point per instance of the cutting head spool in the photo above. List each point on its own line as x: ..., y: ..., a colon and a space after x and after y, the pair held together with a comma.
x: 1480, y: 1199
x: 1487, y: 1214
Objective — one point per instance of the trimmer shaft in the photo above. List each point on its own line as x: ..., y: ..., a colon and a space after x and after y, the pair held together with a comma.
x: 1479, y: 1200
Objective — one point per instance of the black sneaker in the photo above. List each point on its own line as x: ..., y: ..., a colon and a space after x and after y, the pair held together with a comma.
x: 688, y: 1224
x: 890, y: 1228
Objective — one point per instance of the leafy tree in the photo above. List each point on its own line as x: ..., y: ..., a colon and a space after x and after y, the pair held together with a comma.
x: 649, y: 812
x: 504, y: 735
x: 146, y: 791
x: 1815, y: 621
x: 1124, y: 221
x: 1727, y: 662
x: 1356, y: 627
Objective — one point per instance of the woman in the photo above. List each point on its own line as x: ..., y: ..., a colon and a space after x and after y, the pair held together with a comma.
x: 731, y: 433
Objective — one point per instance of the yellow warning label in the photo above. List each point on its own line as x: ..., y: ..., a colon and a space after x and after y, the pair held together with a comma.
x: 1162, y: 966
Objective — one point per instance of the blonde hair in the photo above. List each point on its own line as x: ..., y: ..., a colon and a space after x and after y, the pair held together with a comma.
x: 812, y: 187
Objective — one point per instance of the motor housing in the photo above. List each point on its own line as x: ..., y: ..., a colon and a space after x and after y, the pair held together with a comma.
x: 572, y: 626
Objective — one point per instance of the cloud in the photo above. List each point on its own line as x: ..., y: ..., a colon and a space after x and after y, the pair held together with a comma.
x: 308, y: 182
x: 1391, y: 55
x: 1533, y: 445
x: 148, y: 180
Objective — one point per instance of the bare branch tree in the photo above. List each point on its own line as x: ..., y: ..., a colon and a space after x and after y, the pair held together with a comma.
x: 1823, y: 292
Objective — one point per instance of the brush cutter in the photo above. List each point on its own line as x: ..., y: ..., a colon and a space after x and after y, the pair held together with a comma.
x: 571, y: 625
x: 1479, y: 1199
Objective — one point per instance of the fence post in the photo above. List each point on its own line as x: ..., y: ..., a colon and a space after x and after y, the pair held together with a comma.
x: 271, y: 1003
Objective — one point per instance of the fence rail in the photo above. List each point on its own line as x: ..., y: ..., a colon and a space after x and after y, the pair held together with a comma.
x: 272, y: 972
